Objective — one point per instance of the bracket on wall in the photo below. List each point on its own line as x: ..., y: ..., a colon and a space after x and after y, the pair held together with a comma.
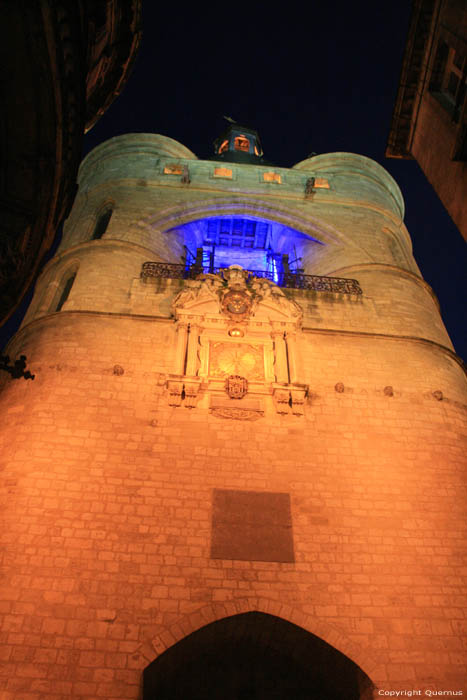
x: 309, y: 187
x: 290, y: 398
x: 185, y: 179
x: 183, y: 390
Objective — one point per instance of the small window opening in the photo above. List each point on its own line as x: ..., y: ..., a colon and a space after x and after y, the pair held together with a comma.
x: 447, y: 83
x: 176, y: 169
x: 241, y: 143
x: 102, y: 224
x: 439, y: 66
x: 224, y: 146
x: 66, y: 292
x: 223, y: 172
x: 272, y: 177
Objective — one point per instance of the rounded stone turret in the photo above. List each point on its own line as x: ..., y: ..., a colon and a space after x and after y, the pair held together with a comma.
x: 146, y: 197
x: 245, y: 401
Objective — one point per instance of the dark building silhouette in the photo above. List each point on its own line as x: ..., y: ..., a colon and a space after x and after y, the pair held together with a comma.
x: 430, y: 117
x: 62, y: 65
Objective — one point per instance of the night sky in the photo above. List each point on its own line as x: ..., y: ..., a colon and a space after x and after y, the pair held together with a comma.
x: 320, y: 78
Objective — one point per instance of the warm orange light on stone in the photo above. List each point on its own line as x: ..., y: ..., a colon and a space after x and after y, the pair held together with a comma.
x: 223, y: 172
x: 241, y: 143
x: 272, y: 177
x: 175, y: 169
x: 352, y: 407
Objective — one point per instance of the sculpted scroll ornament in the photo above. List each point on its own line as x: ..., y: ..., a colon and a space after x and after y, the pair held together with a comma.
x: 237, y: 413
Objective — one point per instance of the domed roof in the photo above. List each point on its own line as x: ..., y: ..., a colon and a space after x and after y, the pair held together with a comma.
x: 133, y: 144
x: 353, y: 164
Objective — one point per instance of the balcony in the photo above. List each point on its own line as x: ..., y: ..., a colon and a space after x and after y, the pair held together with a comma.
x: 289, y: 280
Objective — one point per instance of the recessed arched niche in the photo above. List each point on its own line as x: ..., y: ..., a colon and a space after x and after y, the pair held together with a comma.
x: 254, y: 656
x: 254, y: 243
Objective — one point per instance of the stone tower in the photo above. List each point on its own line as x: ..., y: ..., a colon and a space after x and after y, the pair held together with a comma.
x: 238, y: 471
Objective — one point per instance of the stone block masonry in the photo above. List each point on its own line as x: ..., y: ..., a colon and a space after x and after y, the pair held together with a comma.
x: 131, y: 469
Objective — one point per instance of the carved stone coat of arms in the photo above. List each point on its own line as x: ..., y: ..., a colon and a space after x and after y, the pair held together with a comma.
x: 236, y: 386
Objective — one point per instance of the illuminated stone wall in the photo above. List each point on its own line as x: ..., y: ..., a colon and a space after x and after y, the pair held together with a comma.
x: 114, y: 454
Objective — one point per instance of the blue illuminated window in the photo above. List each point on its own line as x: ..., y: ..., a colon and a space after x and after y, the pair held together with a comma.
x: 258, y: 245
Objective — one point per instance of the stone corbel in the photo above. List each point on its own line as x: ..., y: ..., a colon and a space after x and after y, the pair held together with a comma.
x: 175, y: 387
x: 298, y: 394
x: 281, y: 397
x: 192, y: 387
x: 183, y: 390
x: 290, y: 398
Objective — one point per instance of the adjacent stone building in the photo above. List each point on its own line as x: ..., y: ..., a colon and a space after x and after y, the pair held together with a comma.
x: 238, y: 471
x: 429, y: 122
x: 62, y: 63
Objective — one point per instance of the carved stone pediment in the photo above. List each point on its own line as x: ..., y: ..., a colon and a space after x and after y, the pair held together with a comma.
x: 235, y: 295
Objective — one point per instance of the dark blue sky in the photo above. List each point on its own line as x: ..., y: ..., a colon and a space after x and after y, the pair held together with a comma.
x: 321, y: 80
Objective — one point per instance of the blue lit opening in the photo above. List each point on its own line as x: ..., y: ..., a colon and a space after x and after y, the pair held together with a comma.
x: 258, y: 245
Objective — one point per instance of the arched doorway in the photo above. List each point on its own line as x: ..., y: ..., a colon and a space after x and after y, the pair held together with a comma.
x: 254, y: 656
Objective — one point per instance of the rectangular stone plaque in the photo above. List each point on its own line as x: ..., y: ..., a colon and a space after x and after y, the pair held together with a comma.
x: 252, y: 526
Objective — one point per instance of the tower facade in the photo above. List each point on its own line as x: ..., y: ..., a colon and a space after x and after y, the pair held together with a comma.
x: 239, y: 466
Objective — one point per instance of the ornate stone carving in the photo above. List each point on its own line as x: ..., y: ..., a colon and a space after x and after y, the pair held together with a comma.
x: 175, y: 392
x: 183, y: 390
x: 237, y: 295
x: 203, y: 289
x: 236, y: 276
x: 244, y: 359
x: 192, y: 387
x: 210, y: 286
x: 237, y: 413
x: 236, y: 304
x: 290, y: 399
x: 267, y: 292
x: 282, y: 400
x: 297, y: 396
x: 188, y: 293
x: 236, y: 386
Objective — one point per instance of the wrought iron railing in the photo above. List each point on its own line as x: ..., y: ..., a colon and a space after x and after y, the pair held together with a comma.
x: 291, y: 280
